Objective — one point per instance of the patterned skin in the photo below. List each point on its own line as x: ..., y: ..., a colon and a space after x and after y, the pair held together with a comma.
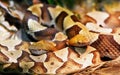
x: 58, y: 33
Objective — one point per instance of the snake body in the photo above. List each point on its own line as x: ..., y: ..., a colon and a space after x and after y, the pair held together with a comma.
x: 58, y: 32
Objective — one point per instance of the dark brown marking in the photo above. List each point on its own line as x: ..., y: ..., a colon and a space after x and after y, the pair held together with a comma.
x: 13, y: 20
x: 96, y: 57
x: 61, y: 44
x: 13, y: 68
x: 52, y: 63
x: 107, y: 46
x: 94, y: 31
x: 72, y: 52
x: 74, y: 30
x: 24, y: 57
x: 46, y: 34
x: 39, y: 68
x: 17, y: 47
x: 3, y: 58
x: 113, y: 20
x: 59, y: 20
x: 67, y: 68
x: 75, y: 19
x: 45, y: 14
x: 87, y: 19
x: 3, y: 47
x: 51, y: 55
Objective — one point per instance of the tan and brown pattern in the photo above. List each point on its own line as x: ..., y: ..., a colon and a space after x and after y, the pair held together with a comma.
x: 56, y: 33
x: 60, y: 61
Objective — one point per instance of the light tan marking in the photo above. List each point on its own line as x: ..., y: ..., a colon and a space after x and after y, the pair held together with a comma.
x: 85, y: 59
x: 6, y: 34
x: 89, y: 35
x: 52, y: 64
x: 57, y: 10
x: 119, y: 17
x: 26, y: 66
x: 117, y: 38
x: 96, y: 28
x: 10, y: 44
x: 34, y: 26
x: 36, y: 9
x: 68, y: 22
x: 60, y: 37
x: 40, y: 58
x: 63, y: 54
x: 6, y: 65
x: 12, y: 55
x: 100, y: 17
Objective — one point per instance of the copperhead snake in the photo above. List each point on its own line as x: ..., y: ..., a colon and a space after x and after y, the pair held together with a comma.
x: 60, y: 37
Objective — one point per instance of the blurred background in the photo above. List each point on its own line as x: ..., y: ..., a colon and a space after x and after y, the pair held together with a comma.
x: 71, y: 4
x: 78, y: 6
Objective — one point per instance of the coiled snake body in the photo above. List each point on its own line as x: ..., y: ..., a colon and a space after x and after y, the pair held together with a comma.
x: 58, y: 32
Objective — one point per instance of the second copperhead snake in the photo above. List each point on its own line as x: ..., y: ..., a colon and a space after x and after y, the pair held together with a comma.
x: 58, y: 32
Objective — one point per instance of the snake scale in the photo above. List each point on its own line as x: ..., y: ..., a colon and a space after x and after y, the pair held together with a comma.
x: 56, y: 38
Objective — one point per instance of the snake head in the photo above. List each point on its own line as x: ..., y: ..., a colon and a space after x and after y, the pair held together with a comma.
x: 79, y: 40
x: 41, y: 47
